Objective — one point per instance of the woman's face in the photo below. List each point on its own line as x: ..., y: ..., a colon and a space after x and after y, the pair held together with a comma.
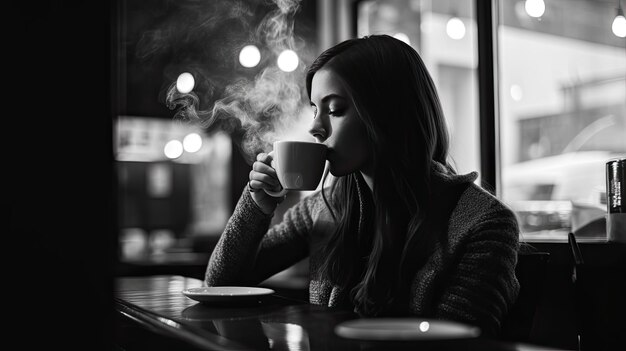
x: 337, y: 126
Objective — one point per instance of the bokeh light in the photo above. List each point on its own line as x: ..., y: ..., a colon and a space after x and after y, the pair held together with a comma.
x: 455, y: 28
x: 173, y: 149
x: 403, y: 37
x: 185, y: 83
x: 288, y: 61
x: 619, y: 26
x: 535, y: 8
x: 516, y: 92
x: 192, y: 142
x: 250, y: 56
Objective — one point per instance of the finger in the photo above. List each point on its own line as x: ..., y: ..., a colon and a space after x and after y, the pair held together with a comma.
x: 258, y: 185
x: 264, y: 178
x: 264, y: 168
x: 270, y: 160
x: 261, y: 157
x: 251, y: 189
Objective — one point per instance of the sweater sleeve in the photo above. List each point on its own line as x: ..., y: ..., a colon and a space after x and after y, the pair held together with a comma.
x: 248, y: 253
x: 483, y: 286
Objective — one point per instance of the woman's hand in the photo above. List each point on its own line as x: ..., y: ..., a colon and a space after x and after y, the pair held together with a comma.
x: 263, y: 176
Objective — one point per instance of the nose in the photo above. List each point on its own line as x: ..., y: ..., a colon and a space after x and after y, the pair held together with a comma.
x: 318, y: 131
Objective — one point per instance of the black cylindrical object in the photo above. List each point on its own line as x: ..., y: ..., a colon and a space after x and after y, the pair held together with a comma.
x: 615, y: 185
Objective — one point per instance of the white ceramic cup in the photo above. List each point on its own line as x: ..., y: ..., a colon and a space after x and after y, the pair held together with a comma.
x: 298, y: 164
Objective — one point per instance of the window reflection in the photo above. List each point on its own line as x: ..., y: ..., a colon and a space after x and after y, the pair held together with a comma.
x: 165, y: 200
x: 562, y: 107
x: 562, y: 77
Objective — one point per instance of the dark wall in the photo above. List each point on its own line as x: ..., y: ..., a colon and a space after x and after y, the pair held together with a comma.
x: 59, y: 128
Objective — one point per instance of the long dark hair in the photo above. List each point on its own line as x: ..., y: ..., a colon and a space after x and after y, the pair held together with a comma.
x: 397, y: 102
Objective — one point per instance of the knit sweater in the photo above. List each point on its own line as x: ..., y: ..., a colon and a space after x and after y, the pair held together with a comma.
x: 471, y: 279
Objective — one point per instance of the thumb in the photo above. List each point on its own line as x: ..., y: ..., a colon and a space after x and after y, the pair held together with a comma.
x: 270, y: 158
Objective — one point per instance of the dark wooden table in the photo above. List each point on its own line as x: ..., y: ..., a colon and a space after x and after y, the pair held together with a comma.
x: 276, y: 323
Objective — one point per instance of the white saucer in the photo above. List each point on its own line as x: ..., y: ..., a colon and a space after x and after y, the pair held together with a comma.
x: 226, y: 293
x: 404, y: 329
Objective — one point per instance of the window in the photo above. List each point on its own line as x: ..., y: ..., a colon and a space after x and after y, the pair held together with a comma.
x: 560, y: 70
x: 562, y: 111
x: 166, y: 192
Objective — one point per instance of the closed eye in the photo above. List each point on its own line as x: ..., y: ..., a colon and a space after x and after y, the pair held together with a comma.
x: 335, y: 113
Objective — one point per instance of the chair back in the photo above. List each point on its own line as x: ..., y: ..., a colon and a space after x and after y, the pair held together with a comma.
x: 598, y: 301
x: 530, y: 272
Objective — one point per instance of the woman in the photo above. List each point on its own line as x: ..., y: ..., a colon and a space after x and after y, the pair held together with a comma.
x: 398, y: 232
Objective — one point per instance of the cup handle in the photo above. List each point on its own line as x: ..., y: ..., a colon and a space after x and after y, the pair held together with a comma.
x: 282, y: 191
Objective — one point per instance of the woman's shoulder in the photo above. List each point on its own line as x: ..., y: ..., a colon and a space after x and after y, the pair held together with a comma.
x: 474, y: 200
x: 478, y: 208
x: 482, y: 200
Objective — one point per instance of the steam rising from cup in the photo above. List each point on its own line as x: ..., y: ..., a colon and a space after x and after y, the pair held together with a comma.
x: 260, y: 108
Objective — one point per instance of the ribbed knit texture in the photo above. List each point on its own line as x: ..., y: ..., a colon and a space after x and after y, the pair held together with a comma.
x: 471, y: 280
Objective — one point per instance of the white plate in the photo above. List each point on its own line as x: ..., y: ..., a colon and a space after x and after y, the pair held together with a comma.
x: 227, y: 293
x: 404, y: 329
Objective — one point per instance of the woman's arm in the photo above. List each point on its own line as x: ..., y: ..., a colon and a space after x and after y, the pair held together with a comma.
x: 483, y: 286
x: 247, y: 253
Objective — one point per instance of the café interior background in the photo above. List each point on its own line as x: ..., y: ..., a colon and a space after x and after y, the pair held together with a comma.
x: 561, y: 70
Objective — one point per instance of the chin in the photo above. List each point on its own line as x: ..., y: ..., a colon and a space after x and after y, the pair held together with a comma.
x: 333, y: 170
x: 338, y: 171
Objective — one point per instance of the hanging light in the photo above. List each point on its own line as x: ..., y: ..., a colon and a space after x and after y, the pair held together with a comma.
x: 619, y: 23
x: 185, y: 83
x: 535, y: 8
x: 455, y: 28
x: 249, y: 56
x: 288, y: 61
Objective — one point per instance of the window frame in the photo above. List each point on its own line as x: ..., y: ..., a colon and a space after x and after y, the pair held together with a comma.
x: 486, y: 15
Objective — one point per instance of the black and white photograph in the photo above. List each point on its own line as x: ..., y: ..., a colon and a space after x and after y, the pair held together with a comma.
x: 316, y: 175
